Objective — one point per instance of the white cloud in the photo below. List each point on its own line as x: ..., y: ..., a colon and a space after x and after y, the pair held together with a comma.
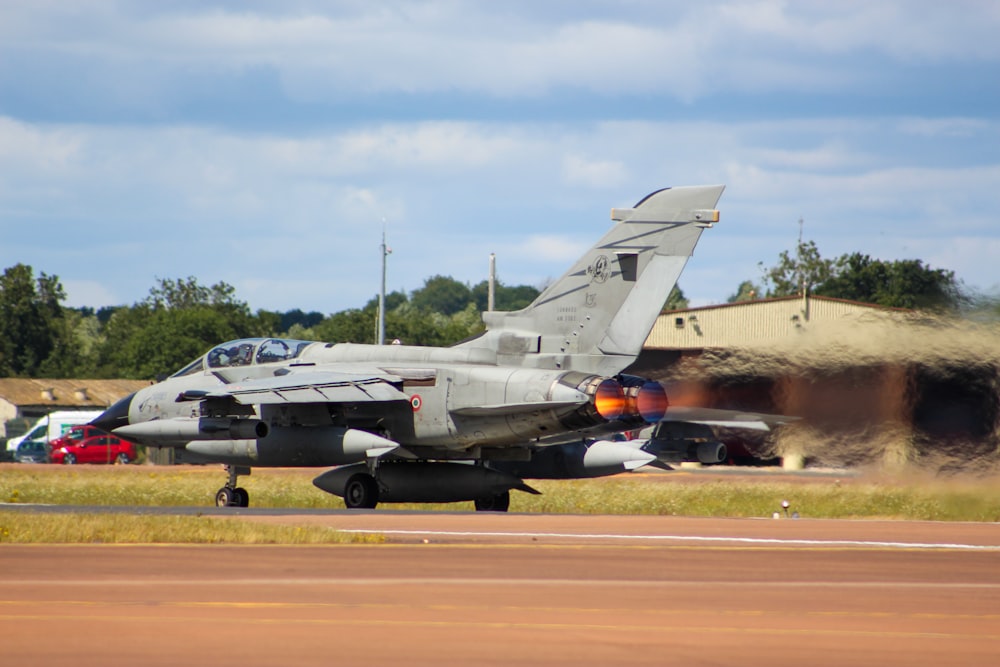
x: 299, y: 217
x: 943, y: 127
x: 325, y: 52
x: 499, y: 154
x: 552, y: 248
x: 594, y: 173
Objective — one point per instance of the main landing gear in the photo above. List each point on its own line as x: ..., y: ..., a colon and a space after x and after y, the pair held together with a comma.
x: 231, y: 495
x: 365, y: 485
x: 497, y: 503
x: 361, y: 491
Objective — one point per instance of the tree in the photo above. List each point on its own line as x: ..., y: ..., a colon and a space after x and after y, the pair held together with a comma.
x: 290, y: 318
x: 30, y: 319
x: 747, y: 291
x: 181, y: 293
x: 441, y: 294
x: 179, y: 320
x: 793, y: 275
x: 355, y: 325
x: 74, y: 353
x: 393, y: 300
x: 504, y: 298
x: 897, y: 284
x: 904, y: 283
x: 675, y: 300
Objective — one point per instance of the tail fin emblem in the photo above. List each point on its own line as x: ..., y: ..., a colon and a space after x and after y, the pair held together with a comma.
x: 598, y: 271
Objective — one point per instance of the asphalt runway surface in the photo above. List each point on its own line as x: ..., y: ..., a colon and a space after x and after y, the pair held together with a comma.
x: 485, y: 589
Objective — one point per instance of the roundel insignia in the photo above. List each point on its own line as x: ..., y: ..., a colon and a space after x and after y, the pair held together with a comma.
x: 416, y: 402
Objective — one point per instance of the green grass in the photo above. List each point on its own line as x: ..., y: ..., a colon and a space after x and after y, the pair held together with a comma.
x: 673, y: 494
x: 936, y: 501
x: 23, y: 528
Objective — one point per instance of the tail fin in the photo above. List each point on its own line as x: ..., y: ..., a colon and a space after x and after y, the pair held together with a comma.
x: 597, y: 316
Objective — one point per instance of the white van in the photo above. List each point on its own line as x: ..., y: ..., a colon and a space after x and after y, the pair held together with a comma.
x: 52, y: 426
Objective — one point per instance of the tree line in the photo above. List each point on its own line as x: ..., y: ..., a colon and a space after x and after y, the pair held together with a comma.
x: 180, y: 319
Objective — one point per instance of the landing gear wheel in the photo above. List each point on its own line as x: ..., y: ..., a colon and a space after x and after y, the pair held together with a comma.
x: 224, y: 497
x: 240, y: 497
x: 497, y: 503
x: 361, y: 491
x: 231, y: 495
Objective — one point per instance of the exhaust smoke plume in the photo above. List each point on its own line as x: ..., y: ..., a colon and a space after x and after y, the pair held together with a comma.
x: 884, y: 388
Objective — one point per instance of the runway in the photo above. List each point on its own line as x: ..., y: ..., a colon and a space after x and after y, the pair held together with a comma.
x: 475, y: 589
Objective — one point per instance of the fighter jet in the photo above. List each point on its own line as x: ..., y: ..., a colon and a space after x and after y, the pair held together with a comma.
x: 402, y: 423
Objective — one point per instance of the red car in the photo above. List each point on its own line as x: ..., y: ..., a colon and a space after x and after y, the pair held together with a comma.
x: 74, y: 435
x: 101, y: 448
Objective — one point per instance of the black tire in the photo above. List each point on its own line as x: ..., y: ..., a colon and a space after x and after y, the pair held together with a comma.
x: 361, y: 491
x: 224, y: 497
x: 121, y: 459
x: 69, y: 459
x: 240, y: 497
x: 497, y: 503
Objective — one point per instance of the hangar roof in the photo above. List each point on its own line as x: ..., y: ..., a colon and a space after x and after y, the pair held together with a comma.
x: 24, y: 392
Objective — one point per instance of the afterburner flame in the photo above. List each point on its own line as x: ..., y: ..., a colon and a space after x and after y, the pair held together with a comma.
x: 651, y: 402
x: 609, y: 399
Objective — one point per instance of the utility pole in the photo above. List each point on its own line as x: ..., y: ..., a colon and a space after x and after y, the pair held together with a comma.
x: 491, y: 291
x: 802, y: 276
x: 385, y: 251
x: 798, y: 255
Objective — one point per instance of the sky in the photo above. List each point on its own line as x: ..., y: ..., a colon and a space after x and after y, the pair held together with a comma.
x: 268, y: 145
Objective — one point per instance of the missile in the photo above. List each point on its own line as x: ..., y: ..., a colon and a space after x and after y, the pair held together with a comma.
x: 579, y: 460
x: 297, y: 446
x: 179, y: 430
x: 619, y: 457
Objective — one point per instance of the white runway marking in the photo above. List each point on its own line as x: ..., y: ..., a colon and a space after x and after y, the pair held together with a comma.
x: 483, y: 581
x: 762, y: 541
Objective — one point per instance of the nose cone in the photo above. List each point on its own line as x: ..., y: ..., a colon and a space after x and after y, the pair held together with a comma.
x: 114, y: 417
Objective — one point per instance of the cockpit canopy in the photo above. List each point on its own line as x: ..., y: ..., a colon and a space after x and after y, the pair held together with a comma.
x: 245, y: 352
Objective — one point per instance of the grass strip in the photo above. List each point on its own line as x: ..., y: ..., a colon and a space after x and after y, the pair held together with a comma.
x: 674, y: 494
x: 24, y: 528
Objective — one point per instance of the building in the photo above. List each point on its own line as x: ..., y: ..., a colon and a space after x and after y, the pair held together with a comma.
x: 689, y: 332
x: 868, y: 382
x: 24, y: 400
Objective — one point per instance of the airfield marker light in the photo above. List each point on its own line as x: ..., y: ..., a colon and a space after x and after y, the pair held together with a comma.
x: 784, y: 506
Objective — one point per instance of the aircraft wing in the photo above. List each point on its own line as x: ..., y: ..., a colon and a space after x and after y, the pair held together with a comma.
x: 757, y: 421
x: 310, y: 387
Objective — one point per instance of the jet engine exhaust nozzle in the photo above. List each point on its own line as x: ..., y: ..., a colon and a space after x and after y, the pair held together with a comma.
x: 609, y: 399
x: 649, y: 401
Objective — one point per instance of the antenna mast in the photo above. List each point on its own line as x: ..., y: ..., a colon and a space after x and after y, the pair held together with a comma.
x: 491, y: 285
x: 385, y: 251
x: 798, y: 254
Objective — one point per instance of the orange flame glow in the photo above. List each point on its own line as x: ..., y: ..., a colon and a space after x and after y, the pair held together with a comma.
x: 651, y: 402
x: 609, y: 399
